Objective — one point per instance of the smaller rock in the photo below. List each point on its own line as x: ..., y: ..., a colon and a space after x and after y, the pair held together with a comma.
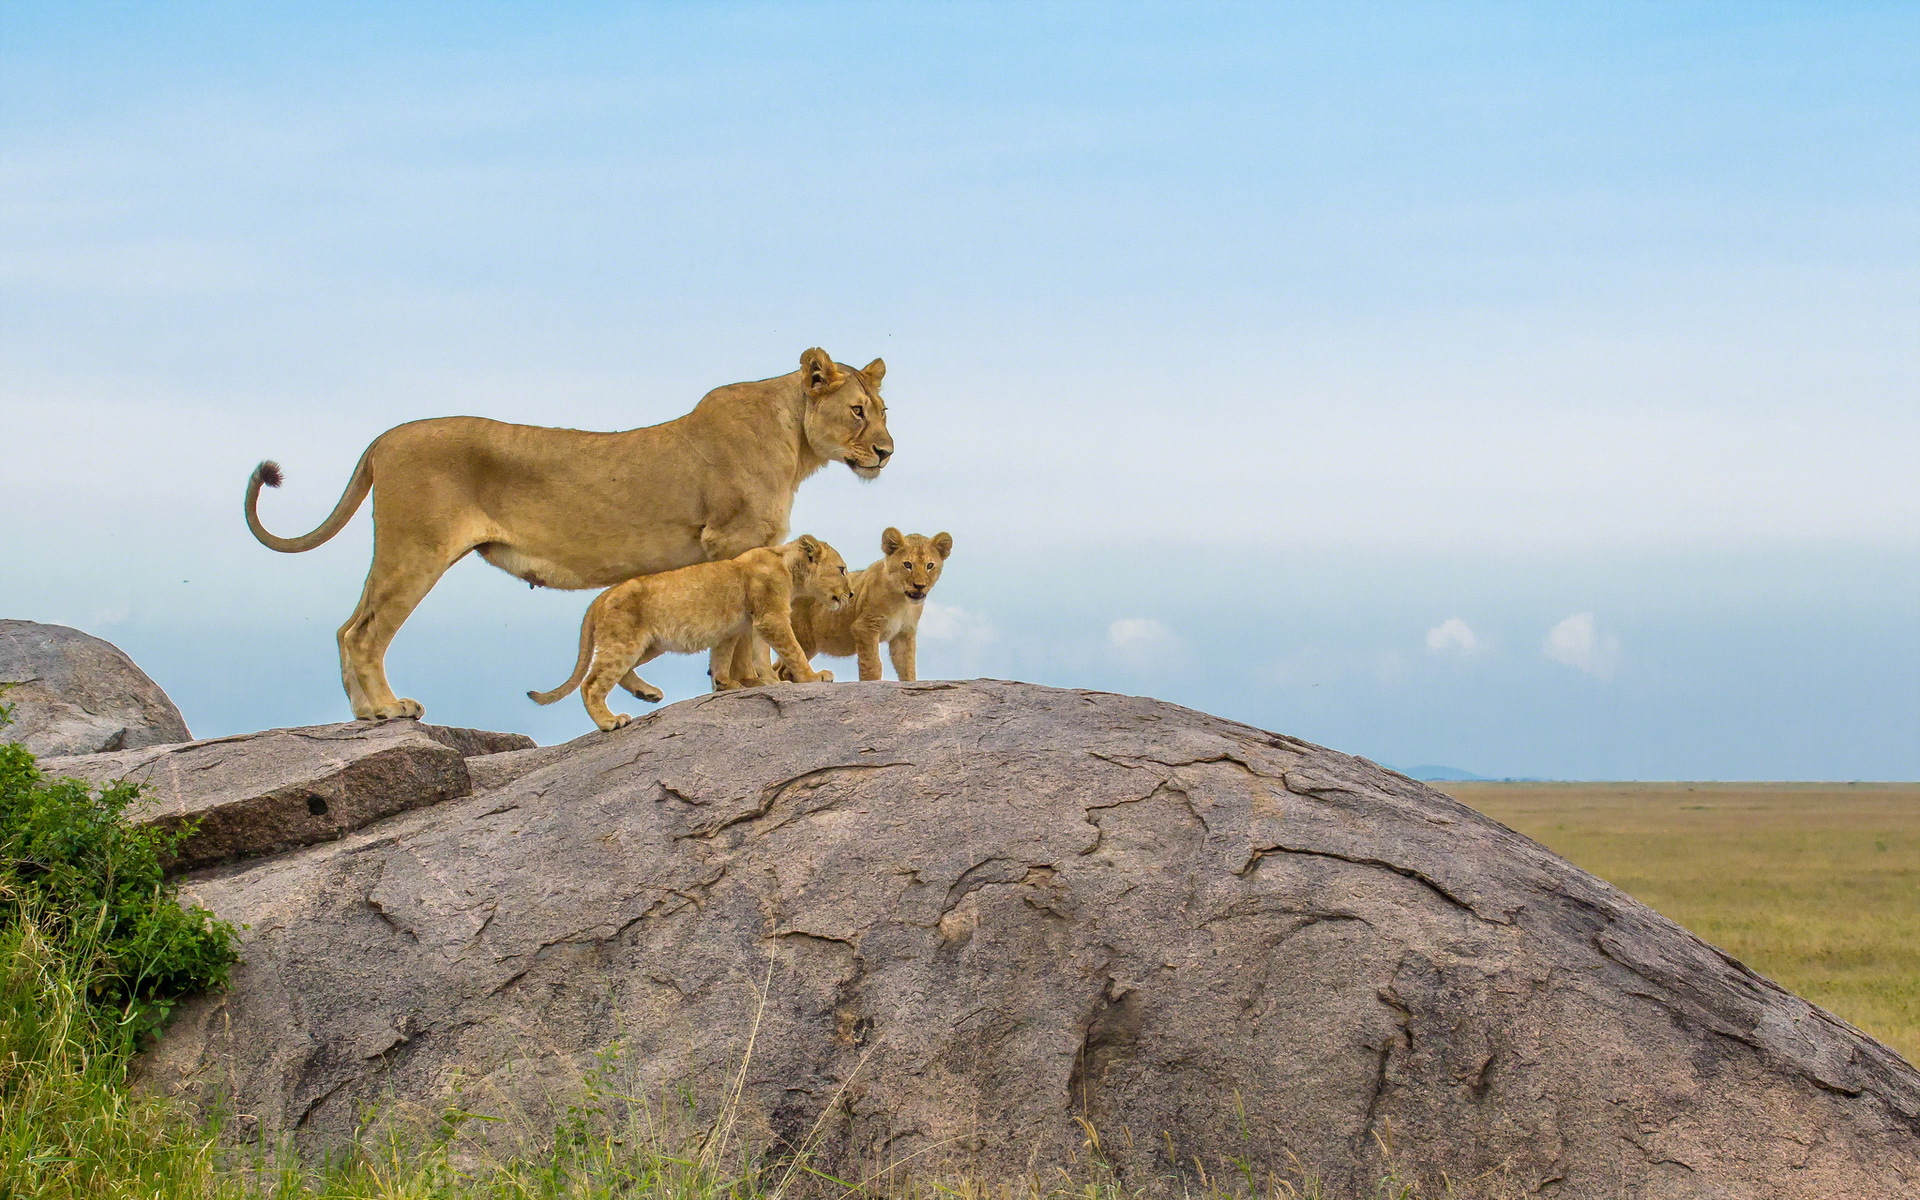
x: 498, y: 770
x: 475, y: 743
x: 73, y: 693
x: 259, y: 793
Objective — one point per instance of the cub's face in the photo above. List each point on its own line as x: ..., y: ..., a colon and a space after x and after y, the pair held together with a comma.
x: 914, y: 561
x: 826, y: 577
x: 846, y: 419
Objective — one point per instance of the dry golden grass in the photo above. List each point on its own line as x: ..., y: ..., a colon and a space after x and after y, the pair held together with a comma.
x: 1814, y: 885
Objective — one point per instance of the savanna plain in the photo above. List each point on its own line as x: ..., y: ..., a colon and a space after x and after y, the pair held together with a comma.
x: 1814, y: 885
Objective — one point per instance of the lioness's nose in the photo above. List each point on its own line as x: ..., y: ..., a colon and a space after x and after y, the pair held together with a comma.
x: 883, y: 453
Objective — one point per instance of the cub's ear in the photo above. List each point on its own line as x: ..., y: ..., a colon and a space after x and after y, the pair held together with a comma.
x: 811, y: 545
x: 943, y: 544
x: 818, y: 373
x: 891, y: 540
x: 875, y: 371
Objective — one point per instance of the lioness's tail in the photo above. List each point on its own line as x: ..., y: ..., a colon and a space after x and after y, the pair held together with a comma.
x: 268, y: 473
x: 579, y: 665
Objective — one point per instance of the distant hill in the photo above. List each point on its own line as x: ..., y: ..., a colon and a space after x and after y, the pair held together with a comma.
x: 1432, y: 773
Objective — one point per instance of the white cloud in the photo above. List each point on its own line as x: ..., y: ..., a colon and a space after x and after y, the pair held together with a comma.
x: 1579, y: 643
x: 958, y: 643
x: 1142, y: 641
x: 950, y: 623
x: 1454, y: 636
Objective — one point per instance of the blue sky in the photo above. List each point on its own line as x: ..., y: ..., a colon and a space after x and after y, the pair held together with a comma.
x: 1533, y: 389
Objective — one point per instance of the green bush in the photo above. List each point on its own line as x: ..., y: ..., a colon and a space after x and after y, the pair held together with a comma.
x: 93, y: 887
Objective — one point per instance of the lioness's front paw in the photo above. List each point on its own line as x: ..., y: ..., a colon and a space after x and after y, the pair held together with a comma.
x: 400, y: 708
x: 823, y: 677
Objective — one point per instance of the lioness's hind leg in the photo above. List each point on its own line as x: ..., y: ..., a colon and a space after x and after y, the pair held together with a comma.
x: 403, y: 572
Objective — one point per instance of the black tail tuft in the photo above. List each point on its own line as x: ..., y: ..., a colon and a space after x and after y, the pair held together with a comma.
x: 269, y: 473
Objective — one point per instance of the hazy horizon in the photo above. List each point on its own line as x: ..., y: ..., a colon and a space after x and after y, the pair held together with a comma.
x: 1524, y: 389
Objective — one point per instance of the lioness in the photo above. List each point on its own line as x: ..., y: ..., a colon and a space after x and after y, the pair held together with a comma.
x: 565, y: 508
x: 887, y: 600
x: 708, y: 606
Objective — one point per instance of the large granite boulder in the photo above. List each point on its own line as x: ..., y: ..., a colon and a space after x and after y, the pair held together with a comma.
x: 73, y: 693
x: 964, y: 924
x: 256, y: 793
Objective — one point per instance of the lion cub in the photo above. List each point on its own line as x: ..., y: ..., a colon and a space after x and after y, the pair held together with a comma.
x: 887, y: 599
x: 708, y: 606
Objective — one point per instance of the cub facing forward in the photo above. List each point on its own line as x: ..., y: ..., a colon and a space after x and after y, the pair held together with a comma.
x: 707, y: 606
x: 887, y: 600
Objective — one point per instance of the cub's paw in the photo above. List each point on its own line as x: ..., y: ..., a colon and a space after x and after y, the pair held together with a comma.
x: 823, y: 677
x: 648, y: 692
x: 619, y: 719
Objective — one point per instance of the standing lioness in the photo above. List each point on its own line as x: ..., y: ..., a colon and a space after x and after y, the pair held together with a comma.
x: 709, y: 606
x: 564, y: 508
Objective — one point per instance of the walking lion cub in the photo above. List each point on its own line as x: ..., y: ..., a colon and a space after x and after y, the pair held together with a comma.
x: 707, y: 606
x: 887, y: 600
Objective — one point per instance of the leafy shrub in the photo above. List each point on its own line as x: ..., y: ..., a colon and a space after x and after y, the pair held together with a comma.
x: 93, y: 887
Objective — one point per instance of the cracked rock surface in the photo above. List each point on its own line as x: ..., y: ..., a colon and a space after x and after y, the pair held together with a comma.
x: 73, y: 693
x: 981, y: 911
x: 255, y: 793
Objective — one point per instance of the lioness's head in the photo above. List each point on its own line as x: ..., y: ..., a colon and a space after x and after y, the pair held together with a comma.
x: 914, y: 561
x: 818, y: 571
x: 846, y: 419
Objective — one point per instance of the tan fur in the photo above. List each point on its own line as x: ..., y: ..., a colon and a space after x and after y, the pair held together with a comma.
x: 565, y: 508
x: 708, y: 606
x: 888, y: 598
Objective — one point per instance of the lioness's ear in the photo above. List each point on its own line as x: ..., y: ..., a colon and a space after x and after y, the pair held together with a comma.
x: 943, y: 544
x: 891, y: 540
x: 875, y: 371
x: 811, y: 545
x: 818, y: 372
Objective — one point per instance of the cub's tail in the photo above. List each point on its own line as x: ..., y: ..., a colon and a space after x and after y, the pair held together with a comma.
x: 268, y: 474
x: 579, y: 665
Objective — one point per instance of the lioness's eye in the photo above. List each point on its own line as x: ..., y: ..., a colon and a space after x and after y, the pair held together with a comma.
x: 859, y: 412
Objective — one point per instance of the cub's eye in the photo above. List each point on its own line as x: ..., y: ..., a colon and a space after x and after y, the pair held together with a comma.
x: 859, y: 412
